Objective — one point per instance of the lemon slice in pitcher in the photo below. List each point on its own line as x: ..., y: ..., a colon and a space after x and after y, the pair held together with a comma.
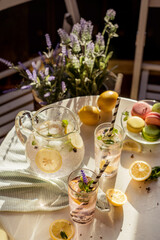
x: 76, y: 140
x: 48, y: 160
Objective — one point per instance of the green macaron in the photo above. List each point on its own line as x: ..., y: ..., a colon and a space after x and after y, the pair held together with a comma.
x: 151, y: 133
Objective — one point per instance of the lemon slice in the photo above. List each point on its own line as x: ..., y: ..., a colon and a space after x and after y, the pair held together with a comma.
x: 132, y: 146
x: 108, y: 169
x: 76, y: 140
x: 116, y: 197
x: 140, y: 170
x: 48, y: 160
x: 60, y: 228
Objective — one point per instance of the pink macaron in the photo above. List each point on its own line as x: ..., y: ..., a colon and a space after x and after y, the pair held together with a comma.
x: 153, y: 118
x: 141, y: 109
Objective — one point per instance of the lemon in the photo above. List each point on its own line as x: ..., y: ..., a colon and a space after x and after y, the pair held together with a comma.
x: 48, y: 160
x: 132, y: 146
x: 76, y: 140
x: 140, y: 170
x: 60, y: 228
x: 116, y: 197
x: 89, y: 115
x: 3, y: 234
x: 107, y: 100
x: 108, y: 169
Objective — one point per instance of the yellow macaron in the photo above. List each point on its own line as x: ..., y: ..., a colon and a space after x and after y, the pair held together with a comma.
x: 135, y: 124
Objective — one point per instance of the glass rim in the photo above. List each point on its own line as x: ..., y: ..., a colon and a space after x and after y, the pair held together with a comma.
x: 83, y: 193
x: 53, y: 106
x: 99, y: 141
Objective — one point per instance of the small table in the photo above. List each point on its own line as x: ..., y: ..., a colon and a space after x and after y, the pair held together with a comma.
x: 137, y: 219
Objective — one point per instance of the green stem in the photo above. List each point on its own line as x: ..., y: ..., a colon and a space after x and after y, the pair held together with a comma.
x: 108, y: 42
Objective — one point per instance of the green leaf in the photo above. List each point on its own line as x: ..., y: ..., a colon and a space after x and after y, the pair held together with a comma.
x: 115, y: 131
x: 155, y: 173
x: 108, y: 141
x: 34, y: 143
x: 64, y: 123
x: 63, y: 235
x: 126, y: 115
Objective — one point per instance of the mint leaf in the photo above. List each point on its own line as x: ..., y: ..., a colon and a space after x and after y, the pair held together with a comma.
x: 126, y: 115
x: 115, y: 131
x: 63, y: 235
x: 155, y: 173
x: 64, y: 123
x: 108, y: 141
x: 99, y: 137
x: 34, y: 143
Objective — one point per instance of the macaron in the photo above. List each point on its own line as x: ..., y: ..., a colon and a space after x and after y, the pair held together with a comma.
x: 141, y: 109
x: 135, y: 124
x: 153, y: 118
x: 156, y: 107
x: 151, y: 133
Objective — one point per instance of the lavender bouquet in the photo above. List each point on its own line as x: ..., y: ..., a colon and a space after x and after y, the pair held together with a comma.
x: 86, y: 61
x: 77, y: 68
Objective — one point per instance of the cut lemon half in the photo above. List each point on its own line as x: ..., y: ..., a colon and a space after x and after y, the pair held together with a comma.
x: 108, y: 169
x: 116, y: 197
x: 76, y: 140
x: 132, y: 146
x: 140, y: 170
x: 61, y: 229
x: 48, y: 160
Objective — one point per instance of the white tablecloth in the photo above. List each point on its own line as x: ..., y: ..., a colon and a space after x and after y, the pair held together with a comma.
x: 137, y: 219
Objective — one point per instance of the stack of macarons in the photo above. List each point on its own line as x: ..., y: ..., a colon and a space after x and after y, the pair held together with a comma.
x: 146, y: 119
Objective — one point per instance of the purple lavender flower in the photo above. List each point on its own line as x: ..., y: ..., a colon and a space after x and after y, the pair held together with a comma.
x: 29, y: 74
x: 110, y: 14
x: 84, y: 177
x: 90, y: 48
x: 9, y: 90
x: 86, y: 30
x: 7, y: 63
x: 42, y: 57
x: 48, y: 41
x: 75, y: 43
x: 63, y: 86
x: 51, y: 78
x: 100, y: 43
x: 64, y: 36
x: 22, y: 66
x: 76, y: 29
x: 26, y: 87
x: 47, y: 94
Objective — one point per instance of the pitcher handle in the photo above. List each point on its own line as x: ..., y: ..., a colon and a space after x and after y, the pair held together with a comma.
x: 22, y: 131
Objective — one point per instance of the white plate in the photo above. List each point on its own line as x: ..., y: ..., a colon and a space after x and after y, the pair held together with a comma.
x: 137, y: 136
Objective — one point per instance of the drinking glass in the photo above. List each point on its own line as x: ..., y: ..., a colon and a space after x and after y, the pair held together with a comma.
x: 82, y: 204
x: 108, y: 148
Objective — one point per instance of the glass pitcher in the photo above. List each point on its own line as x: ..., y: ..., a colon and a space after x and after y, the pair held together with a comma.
x: 53, y: 145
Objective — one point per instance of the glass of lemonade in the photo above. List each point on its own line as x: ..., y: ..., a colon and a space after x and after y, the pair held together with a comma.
x: 82, y: 202
x: 108, y: 148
